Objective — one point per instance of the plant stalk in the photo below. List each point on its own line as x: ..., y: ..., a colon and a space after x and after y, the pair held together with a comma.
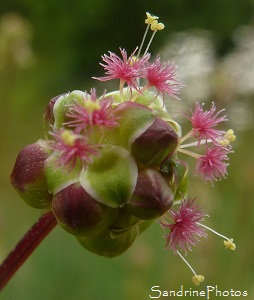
x: 26, y: 246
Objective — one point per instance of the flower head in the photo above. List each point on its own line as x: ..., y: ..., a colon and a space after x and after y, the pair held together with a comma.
x: 92, y: 112
x: 127, y: 69
x: 163, y: 77
x: 212, y: 166
x: 72, y: 147
x: 184, y: 228
x: 203, y: 123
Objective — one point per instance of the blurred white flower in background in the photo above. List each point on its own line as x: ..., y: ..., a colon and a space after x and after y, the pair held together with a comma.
x: 194, y: 54
x: 228, y: 79
x: 239, y: 64
x: 15, y: 42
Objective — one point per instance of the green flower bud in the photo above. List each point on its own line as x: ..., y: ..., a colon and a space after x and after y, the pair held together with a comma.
x: 133, y: 120
x: 79, y: 214
x: 155, y: 144
x: 28, y: 176
x: 152, y: 197
x: 59, y: 177
x: 112, y: 176
x: 109, y: 245
x: 113, y: 242
x: 125, y: 219
x: 62, y: 106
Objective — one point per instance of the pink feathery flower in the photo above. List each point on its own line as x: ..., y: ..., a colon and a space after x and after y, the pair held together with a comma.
x: 184, y: 226
x: 127, y: 69
x: 163, y: 77
x: 212, y: 166
x: 91, y: 112
x: 72, y: 148
x: 203, y: 123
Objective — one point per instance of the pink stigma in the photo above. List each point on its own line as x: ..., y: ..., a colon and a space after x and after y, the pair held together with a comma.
x: 184, y: 227
x: 163, y: 78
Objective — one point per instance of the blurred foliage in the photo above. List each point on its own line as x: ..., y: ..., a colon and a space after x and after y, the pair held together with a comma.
x: 51, y: 47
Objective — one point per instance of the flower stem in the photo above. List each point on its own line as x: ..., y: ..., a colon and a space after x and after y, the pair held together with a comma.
x: 190, y: 153
x: 190, y: 133
x: 26, y: 246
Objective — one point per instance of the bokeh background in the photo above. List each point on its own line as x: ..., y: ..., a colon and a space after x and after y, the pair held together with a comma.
x: 51, y: 47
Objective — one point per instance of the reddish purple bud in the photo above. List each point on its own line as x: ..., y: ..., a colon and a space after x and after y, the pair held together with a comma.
x: 28, y: 176
x: 158, y: 142
x: 79, y: 214
x: 152, y: 197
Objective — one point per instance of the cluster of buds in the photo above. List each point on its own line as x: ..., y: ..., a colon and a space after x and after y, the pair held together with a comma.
x: 109, y: 166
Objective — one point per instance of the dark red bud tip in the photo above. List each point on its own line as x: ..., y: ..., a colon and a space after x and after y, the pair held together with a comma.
x: 48, y: 116
x: 158, y: 142
x: 28, y: 176
x: 152, y: 196
x: 79, y: 214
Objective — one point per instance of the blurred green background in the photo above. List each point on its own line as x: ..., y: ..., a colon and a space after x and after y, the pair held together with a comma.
x: 51, y: 47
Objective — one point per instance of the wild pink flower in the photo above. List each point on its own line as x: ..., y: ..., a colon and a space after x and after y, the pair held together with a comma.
x: 203, y: 123
x: 127, y: 69
x: 184, y: 226
x: 92, y: 112
x: 163, y: 77
x: 212, y: 166
x: 71, y: 148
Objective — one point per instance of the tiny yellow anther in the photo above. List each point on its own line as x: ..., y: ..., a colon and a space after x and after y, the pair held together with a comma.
x: 133, y: 60
x: 91, y: 105
x: 229, y: 244
x: 230, y: 135
x: 197, y: 279
x: 157, y: 26
x: 150, y: 18
x: 68, y: 137
x: 228, y: 138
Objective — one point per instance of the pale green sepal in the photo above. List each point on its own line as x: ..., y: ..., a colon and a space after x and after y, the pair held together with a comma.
x: 117, y: 99
x: 150, y: 100
x: 57, y: 177
x: 112, y: 176
x: 62, y: 104
x: 182, y: 188
x: 147, y: 98
x: 134, y: 120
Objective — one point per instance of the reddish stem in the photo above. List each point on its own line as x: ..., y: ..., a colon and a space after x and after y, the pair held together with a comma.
x: 26, y: 246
